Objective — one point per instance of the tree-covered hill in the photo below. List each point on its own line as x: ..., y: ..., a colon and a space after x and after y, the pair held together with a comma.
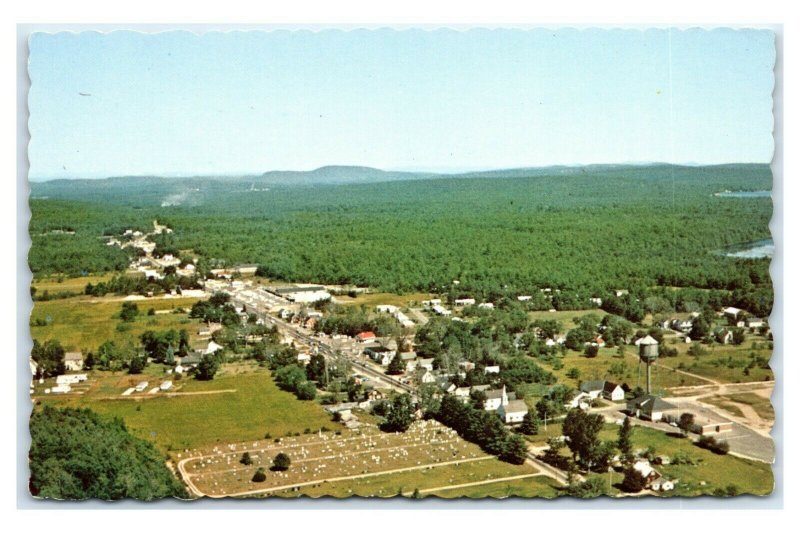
x: 588, y: 229
x: 76, y: 455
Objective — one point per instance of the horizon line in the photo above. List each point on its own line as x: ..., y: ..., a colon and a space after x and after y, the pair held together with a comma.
x: 438, y: 170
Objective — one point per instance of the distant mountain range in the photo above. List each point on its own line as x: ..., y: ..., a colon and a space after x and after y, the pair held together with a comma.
x: 148, y: 187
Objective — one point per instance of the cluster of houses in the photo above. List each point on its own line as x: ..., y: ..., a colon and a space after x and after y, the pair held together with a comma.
x: 589, y: 391
x: 397, y: 314
x: 500, y: 401
x: 653, y: 479
x: 724, y: 335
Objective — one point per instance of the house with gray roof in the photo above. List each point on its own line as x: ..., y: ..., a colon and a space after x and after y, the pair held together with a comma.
x: 649, y: 407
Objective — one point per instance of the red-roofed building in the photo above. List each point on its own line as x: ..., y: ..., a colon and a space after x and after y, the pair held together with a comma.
x: 365, y: 336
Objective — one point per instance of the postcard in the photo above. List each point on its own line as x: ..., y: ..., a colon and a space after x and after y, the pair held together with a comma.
x: 419, y: 263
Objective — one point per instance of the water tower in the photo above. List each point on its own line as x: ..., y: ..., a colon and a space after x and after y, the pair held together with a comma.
x: 648, y: 353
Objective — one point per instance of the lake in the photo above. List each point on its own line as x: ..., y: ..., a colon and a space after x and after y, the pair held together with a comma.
x: 752, y: 250
x: 743, y: 194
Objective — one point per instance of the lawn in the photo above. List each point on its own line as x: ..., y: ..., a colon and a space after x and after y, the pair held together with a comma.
x: 717, y: 471
x: 723, y: 403
x: 761, y: 405
x: 256, y: 407
x: 533, y: 487
x: 56, y: 284
x: 85, y: 323
x: 385, y: 298
x: 608, y: 365
x: 723, y: 362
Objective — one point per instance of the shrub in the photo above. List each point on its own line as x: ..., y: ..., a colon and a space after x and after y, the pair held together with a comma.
x: 260, y: 476
x: 591, y: 488
x: 712, y: 444
x: 281, y: 462
x: 634, y: 481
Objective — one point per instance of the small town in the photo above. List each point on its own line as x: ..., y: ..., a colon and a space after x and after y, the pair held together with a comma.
x: 399, y: 403
x: 444, y: 266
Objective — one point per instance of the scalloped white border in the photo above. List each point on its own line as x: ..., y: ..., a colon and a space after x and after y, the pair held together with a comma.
x: 23, y: 240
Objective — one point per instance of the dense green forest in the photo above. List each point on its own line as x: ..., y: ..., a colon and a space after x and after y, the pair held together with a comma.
x: 584, y: 230
x: 71, y: 459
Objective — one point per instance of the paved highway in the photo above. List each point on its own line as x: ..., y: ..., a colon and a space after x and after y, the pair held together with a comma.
x: 323, y: 347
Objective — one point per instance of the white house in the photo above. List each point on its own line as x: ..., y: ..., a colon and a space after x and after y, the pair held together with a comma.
x: 386, y: 308
x: 731, y: 312
x: 212, y: 347
x: 495, y: 398
x: 524, y: 298
x: 513, y: 412
x: 613, y: 392
x: 579, y: 400
x: 495, y: 369
x: 426, y: 363
x: 73, y: 361
x: 410, y: 360
x: 441, y: 311
x: 166, y: 385
x: 649, y: 407
x: 593, y: 388
x: 303, y: 358
x: 486, y: 305
x: 428, y: 377
x: 403, y: 319
x: 70, y: 379
x: 461, y: 302
x: 462, y: 392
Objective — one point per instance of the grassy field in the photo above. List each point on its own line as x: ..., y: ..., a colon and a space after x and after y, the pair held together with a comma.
x: 716, y: 471
x: 533, y: 487
x: 723, y: 363
x: 710, y: 472
x: 761, y: 405
x: 84, y: 323
x: 385, y: 298
x: 256, y: 407
x: 56, y: 284
x: 608, y: 365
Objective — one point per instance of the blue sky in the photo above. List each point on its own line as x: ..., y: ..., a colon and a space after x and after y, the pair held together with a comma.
x: 176, y: 103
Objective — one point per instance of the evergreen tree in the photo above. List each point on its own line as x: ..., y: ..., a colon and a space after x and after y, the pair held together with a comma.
x: 395, y: 366
x: 624, y: 443
x: 530, y: 424
x: 281, y: 462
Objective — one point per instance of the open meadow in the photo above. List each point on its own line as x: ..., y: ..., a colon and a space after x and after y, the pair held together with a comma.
x: 239, y: 406
x: 84, y: 323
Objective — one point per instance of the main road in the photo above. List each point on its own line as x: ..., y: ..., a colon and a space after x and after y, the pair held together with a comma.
x: 300, y: 334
